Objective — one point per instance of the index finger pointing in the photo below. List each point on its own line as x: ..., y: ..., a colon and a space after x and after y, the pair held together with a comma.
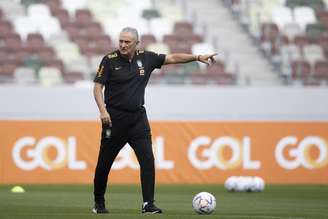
x: 214, y: 54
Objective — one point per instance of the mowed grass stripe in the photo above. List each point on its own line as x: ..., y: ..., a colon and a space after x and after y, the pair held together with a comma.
x: 124, y: 201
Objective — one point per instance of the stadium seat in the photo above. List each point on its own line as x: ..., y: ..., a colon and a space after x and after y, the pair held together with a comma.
x: 149, y: 14
x: 67, y: 52
x: 7, y: 73
x: 174, y: 74
x: 3, y: 55
x: 24, y: 75
x: 323, y: 18
x: 54, y: 63
x: 291, y: 30
x: 323, y: 42
x: 72, y: 6
x: 159, y: 48
x: 182, y: 47
x: 269, y: 32
x: 33, y: 62
x: 190, y: 67
x: 114, y: 26
x: 282, y: 16
x: 83, y: 17
x: 27, y: 3
x: 80, y: 64
x: 288, y: 54
x: 50, y: 76
x: 313, y: 53
x: 215, y: 77
x: 6, y: 29
x: 73, y: 77
x: 104, y: 10
x: 94, y: 62
x: 38, y: 11
x: 93, y: 31
x: 49, y: 27
x: 24, y: 26
x: 160, y: 27
x: 173, y: 78
x: 13, y: 43
x: 135, y: 9
x: 57, y: 39
x: 72, y: 29
x: 315, y: 4
x: 12, y: 9
x: 156, y: 77
x: 54, y: 5
x: 301, y: 40
x: 46, y: 53
x: 314, y: 30
x: 216, y: 68
x: 62, y: 15
x: 34, y: 42
x: 147, y: 39
x: 1, y: 14
x: 182, y: 28
x: 304, y: 16
x: 171, y: 13
x: 311, y: 81
x: 300, y: 69
x: 321, y: 70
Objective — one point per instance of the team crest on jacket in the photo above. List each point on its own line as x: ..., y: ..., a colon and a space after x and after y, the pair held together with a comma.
x: 141, y: 68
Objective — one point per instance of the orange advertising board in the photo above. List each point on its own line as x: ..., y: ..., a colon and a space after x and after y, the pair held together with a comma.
x: 185, y: 152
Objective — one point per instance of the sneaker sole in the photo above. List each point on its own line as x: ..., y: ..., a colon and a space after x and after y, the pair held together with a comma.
x: 96, y: 212
x: 154, y: 212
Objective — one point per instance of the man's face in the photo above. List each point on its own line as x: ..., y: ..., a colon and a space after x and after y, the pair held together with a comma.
x: 127, y: 43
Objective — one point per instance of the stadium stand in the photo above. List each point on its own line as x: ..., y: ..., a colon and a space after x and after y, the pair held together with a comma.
x: 292, y: 35
x: 72, y: 36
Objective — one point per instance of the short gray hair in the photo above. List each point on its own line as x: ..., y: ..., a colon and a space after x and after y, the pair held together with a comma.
x: 131, y: 30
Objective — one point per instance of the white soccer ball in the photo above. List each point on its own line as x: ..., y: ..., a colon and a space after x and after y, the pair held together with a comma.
x: 241, y: 184
x: 231, y: 183
x: 204, y: 203
x: 248, y: 180
x: 259, y: 183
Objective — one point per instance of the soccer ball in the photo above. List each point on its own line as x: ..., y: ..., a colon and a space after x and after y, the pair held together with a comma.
x: 231, y: 183
x: 244, y: 184
x: 204, y: 203
x: 259, y: 183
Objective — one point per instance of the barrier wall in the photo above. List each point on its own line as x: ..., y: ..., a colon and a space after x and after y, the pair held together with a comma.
x: 185, y: 151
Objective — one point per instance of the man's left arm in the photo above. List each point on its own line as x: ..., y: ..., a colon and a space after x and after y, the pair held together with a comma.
x: 176, y: 58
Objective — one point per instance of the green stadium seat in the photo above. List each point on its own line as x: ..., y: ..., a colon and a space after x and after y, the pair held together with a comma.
x: 27, y: 3
x: 314, y: 30
x: 33, y: 62
x: 149, y: 14
x: 294, y: 3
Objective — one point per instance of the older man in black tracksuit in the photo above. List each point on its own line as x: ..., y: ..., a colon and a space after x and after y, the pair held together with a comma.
x: 124, y: 74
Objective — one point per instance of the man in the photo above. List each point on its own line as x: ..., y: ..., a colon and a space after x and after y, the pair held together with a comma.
x: 124, y: 75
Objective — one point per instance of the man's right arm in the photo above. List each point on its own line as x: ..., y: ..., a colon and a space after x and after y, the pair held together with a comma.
x: 99, y: 97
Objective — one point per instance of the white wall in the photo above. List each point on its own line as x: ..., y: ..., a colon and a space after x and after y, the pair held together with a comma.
x: 172, y: 103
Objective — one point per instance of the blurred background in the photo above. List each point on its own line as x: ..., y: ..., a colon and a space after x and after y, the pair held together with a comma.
x: 261, y: 109
x: 273, y: 42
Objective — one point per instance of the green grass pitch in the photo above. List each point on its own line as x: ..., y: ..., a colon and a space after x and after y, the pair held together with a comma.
x: 124, y: 201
